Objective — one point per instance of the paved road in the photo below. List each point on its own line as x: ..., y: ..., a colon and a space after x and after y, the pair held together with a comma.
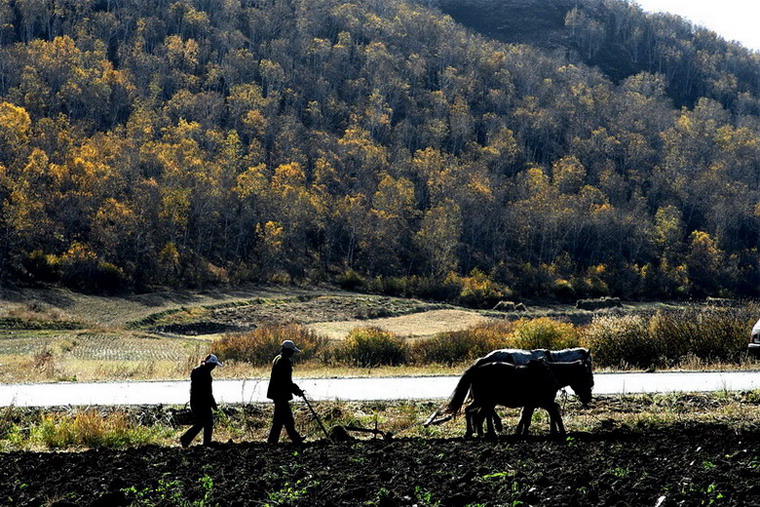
x: 348, y: 389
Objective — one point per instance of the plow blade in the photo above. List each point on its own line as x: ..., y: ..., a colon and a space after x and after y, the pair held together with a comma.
x: 433, y: 421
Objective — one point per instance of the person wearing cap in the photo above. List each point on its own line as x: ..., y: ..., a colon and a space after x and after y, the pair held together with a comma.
x: 281, y: 390
x: 202, y: 401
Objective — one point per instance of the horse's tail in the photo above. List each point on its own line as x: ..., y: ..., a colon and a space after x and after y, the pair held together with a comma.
x: 460, y: 391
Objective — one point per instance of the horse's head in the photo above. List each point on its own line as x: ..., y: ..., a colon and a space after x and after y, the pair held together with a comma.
x: 582, y: 381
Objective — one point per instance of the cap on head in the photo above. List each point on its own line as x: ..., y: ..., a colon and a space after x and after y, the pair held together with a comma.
x: 212, y: 359
x: 289, y: 345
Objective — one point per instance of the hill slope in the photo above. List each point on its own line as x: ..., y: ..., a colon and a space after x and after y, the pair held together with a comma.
x: 622, y: 40
x: 201, y: 141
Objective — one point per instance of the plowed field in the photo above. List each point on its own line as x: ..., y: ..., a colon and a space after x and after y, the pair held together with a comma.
x: 702, y: 464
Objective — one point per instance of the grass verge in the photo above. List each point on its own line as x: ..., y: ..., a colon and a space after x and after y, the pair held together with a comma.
x: 74, y: 429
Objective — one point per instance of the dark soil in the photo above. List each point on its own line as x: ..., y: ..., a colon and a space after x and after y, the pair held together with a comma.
x: 705, y: 464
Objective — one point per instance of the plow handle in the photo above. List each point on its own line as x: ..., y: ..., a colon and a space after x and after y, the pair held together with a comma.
x: 314, y: 413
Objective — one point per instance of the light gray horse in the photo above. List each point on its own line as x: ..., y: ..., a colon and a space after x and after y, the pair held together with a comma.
x: 519, y: 356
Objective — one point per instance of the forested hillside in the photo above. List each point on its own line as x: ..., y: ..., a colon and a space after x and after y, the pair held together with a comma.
x: 622, y: 40
x: 376, y: 142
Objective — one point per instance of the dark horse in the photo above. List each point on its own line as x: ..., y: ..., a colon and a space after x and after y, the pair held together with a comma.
x: 519, y: 357
x: 534, y: 385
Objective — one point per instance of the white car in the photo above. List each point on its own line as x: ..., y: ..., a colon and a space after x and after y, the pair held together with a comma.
x: 754, y: 340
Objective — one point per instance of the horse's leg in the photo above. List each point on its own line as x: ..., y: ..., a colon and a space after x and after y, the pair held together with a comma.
x: 468, y: 420
x: 492, y: 420
x: 489, y: 414
x: 560, y: 424
x: 555, y: 418
x: 526, y: 415
x: 483, y: 418
x: 520, y: 429
x: 477, y: 420
x: 470, y: 415
x: 528, y: 418
x: 555, y: 428
x: 497, y: 421
x: 477, y: 415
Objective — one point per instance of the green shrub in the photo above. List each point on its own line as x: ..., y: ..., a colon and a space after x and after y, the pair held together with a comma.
x: 108, y: 277
x: 722, y: 334
x: 396, y: 286
x: 479, y: 291
x: 260, y: 346
x: 91, y: 429
x: 711, y: 334
x: 447, y: 289
x: 456, y: 347
x: 669, y: 337
x: 78, y: 265
x: 351, y: 280
x: 672, y: 336
x: 42, y: 267
x: 371, y: 346
x: 544, y: 333
x: 621, y: 341
x: 563, y: 290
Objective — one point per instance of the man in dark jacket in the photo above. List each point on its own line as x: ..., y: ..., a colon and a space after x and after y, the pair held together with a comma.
x: 281, y: 390
x: 202, y: 401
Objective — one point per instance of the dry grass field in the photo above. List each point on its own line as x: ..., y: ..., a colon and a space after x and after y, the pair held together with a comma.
x: 56, y: 334
x: 416, y: 325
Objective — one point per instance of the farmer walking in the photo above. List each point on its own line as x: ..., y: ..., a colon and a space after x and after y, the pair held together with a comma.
x: 281, y: 390
x: 202, y: 401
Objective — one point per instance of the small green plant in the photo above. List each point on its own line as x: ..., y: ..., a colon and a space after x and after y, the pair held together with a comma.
x: 499, y: 475
x: 290, y: 493
x: 425, y: 498
x: 171, y: 492
x: 166, y: 490
x: 207, y: 486
x: 709, y: 465
x: 382, y: 496
x: 714, y: 496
